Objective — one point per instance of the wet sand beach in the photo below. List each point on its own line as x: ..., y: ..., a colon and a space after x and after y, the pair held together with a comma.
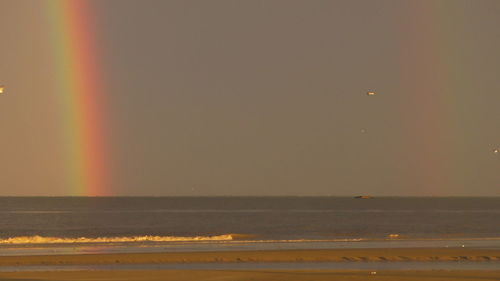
x: 261, y: 275
x: 332, y: 255
x: 241, y: 257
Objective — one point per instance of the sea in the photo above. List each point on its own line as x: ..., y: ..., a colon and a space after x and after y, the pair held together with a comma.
x: 75, y: 225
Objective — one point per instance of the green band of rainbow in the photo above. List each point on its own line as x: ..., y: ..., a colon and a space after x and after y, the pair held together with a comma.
x: 81, y: 95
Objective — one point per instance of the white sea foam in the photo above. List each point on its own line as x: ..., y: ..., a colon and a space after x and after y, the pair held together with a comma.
x: 225, y: 238
x: 65, y: 240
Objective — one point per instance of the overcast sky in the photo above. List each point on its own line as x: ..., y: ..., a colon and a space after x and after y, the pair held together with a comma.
x: 266, y: 97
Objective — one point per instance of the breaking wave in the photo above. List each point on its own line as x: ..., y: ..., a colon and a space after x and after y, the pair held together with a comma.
x: 65, y: 240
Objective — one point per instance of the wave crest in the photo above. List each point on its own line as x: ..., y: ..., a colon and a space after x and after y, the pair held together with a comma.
x: 147, y: 238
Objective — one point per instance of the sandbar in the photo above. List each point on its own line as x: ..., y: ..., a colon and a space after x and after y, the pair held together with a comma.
x: 260, y: 275
x: 329, y: 255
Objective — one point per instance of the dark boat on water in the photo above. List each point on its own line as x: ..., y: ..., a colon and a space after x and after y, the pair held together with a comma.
x: 364, y: 197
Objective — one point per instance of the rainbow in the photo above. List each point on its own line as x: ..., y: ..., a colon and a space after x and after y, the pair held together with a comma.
x: 80, y: 92
x: 433, y: 76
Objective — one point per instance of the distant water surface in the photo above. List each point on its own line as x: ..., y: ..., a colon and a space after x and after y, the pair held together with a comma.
x: 260, y: 218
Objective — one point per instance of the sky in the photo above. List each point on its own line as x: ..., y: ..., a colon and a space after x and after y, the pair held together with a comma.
x: 224, y: 97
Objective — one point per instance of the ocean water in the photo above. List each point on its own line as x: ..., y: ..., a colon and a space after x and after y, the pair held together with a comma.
x: 236, y: 222
x: 258, y: 217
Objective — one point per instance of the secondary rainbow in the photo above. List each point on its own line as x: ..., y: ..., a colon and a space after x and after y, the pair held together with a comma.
x: 435, y: 77
x: 81, y: 95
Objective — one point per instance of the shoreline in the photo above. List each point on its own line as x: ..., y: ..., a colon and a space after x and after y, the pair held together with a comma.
x: 179, y: 273
x: 261, y: 275
x: 330, y: 255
